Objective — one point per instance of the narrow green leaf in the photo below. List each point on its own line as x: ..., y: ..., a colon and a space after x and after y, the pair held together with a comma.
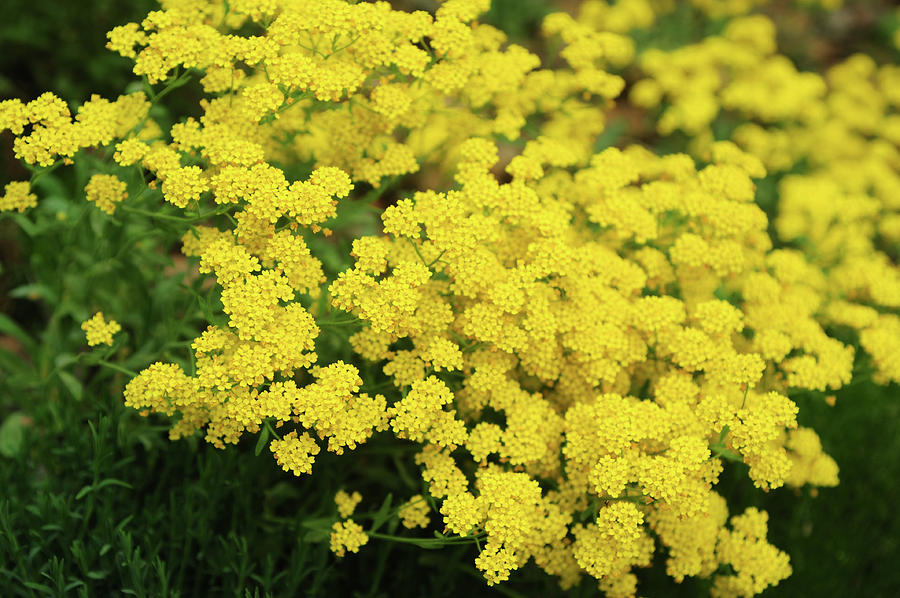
x: 34, y: 291
x: 39, y: 587
x: 320, y: 529
x: 318, y: 523
x: 9, y: 327
x: 12, y: 434
x: 25, y: 224
x: 724, y: 433
x: 383, y: 513
x: 100, y: 485
x: 261, y: 441
x: 429, y: 544
x: 726, y: 453
x: 72, y: 384
x: 316, y: 536
x: 113, y: 482
x: 51, y: 527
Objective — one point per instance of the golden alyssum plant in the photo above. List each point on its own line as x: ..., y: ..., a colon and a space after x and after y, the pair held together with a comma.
x: 578, y: 342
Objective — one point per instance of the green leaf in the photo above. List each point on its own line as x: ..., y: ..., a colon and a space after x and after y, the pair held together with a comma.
x: 72, y: 384
x: 39, y: 587
x: 318, y: 523
x: 429, y: 544
x: 261, y: 441
x: 100, y: 485
x: 721, y: 450
x: 316, y: 536
x: 34, y: 291
x: 16, y: 371
x: 9, y: 327
x: 383, y: 513
x: 51, y: 527
x: 25, y: 224
x: 64, y: 360
x: 320, y: 529
x: 611, y: 134
x: 12, y: 434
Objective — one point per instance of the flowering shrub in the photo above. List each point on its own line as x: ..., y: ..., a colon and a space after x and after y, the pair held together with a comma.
x: 576, y: 338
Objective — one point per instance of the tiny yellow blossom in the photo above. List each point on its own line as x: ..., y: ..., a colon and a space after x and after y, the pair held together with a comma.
x: 106, y: 191
x: 347, y: 536
x: 346, y: 503
x: 414, y: 512
x: 17, y: 197
x: 99, y: 331
x: 295, y: 453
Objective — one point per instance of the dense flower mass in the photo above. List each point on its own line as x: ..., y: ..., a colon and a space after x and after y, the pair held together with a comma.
x: 577, y: 338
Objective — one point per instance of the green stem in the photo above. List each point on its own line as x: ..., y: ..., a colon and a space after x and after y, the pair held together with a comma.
x: 424, y: 541
x: 393, y: 512
x: 337, y: 322
x: 150, y: 214
x: 37, y: 174
x: 376, y: 192
x: 116, y: 367
x: 720, y: 450
x: 436, y: 260
x: 635, y: 499
x: 175, y: 84
x: 418, y: 253
x: 163, y: 216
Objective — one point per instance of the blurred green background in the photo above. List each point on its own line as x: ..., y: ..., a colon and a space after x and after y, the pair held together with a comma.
x: 94, y: 501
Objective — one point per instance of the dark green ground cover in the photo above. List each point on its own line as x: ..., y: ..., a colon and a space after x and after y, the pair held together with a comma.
x: 95, y: 501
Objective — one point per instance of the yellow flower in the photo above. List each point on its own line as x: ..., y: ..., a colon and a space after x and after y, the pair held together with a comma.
x: 106, y: 191
x: 414, y: 512
x: 295, y: 453
x: 347, y: 536
x: 98, y: 331
x: 17, y: 197
x: 346, y: 503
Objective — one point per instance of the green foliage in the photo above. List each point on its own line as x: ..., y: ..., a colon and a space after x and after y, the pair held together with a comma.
x: 96, y: 501
x: 519, y: 19
x: 59, y: 46
x: 845, y: 539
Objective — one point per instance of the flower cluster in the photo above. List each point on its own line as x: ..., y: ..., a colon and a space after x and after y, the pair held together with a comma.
x: 831, y: 141
x: 18, y: 197
x: 577, y: 338
x: 98, y: 331
x: 634, y: 408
